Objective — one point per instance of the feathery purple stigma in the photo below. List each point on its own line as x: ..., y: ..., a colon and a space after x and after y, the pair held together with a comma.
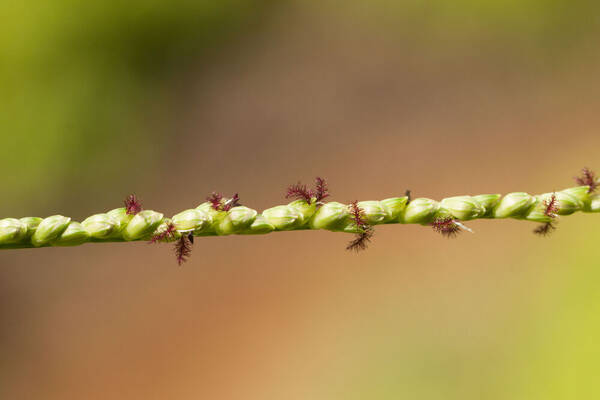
x: 299, y: 192
x: 587, y: 178
x: 183, y: 249
x: 232, y: 202
x: 550, y: 210
x: 551, y: 206
x: 366, y: 231
x: 165, y: 236
x: 545, y: 229
x: 132, y: 205
x: 446, y: 226
x: 215, y: 200
x: 217, y: 203
x: 302, y: 192
x: 361, y: 241
x: 321, y: 189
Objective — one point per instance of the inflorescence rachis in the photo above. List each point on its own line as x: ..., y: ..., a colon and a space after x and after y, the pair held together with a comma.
x: 220, y: 216
x: 445, y: 225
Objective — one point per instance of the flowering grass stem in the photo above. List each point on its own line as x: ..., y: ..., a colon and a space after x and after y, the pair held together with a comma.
x: 220, y: 216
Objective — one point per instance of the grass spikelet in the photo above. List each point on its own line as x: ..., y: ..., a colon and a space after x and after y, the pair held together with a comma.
x: 551, y: 210
x: 167, y: 235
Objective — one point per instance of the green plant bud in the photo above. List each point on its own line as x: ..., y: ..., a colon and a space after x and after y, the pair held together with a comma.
x: 283, y: 218
x: 224, y: 227
x: 241, y: 217
x: 581, y: 194
x: 420, y: 211
x: 74, y: 235
x: 259, y: 226
x: 100, y: 226
x: 393, y: 208
x: 237, y: 220
x: 566, y: 203
x: 164, y: 225
x: 443, y: 213
x: 214, y: 215
x: 12, y: 231
x: 143, y: 224
x: 31, y: 223
x: 49, y: 229
x: 373, y: 211
x: 515, y: 205
x: 488, y: 202
x: 538, y: 213
x: 305, y: 210
x: 207, y: 208
x: 463, y: 207
x: 120, y: 216
x: 192, y: 220
x: 332, y: 216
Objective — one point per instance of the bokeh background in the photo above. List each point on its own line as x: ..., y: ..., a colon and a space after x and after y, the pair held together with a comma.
x: 172, y: 100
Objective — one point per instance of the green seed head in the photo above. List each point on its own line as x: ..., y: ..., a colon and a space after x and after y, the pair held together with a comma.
x: 207, y: 208
x: 164, y: 225
x: 515, y: 205
x: 215, y: 217
x: 283, y: 217
x: 305, y: 210
x: 31, y: 223
x: 393, y: 208
x: 581, y: 193
x: 120, y: 216
x: 12, y: 231
x: 332, y: 216
x: 463, y: 207
x: 72, y: 236
x: 421, y: 211
x: 488, y: 202
x: 142, y: 225
x: 49, y: 229
x: 538, y: 213
x: 259, y: 226
x: 100, y: 226
x: 566, y: 203
x: 192, y: 220
x: 224, y: 227
x: 237, y: 220
x: 373, y: 211
x: 241, y: 217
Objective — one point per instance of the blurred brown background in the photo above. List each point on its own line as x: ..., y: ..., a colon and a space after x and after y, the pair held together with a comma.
x: 173, y: 101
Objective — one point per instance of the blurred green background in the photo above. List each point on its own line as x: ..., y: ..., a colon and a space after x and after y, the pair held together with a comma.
x: 172, y: 100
